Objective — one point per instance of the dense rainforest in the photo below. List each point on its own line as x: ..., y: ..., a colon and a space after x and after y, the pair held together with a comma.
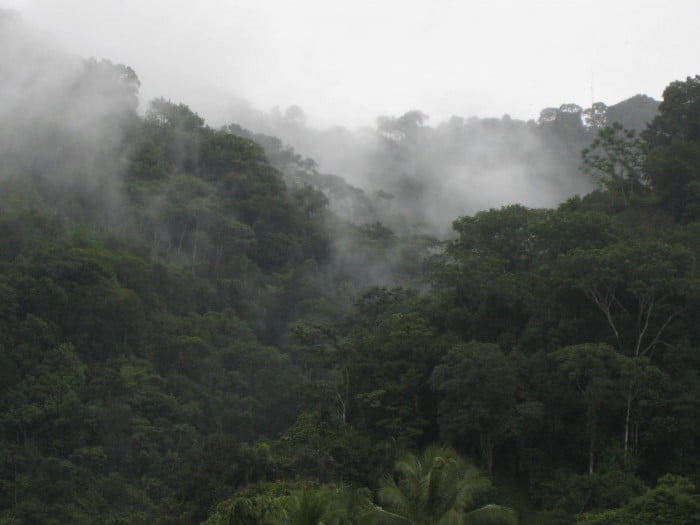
x: 199, y: 325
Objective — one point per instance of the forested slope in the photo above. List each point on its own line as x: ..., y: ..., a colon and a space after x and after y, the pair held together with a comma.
x: 189, y: 334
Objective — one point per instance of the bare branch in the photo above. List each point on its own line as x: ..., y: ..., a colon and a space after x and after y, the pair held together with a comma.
x: 655, y: 341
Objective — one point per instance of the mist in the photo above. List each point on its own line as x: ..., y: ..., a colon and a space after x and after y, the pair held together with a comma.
x: 417, y: 178
x: 347, y: 64
x: 64, y: 118
x: 68, y: 118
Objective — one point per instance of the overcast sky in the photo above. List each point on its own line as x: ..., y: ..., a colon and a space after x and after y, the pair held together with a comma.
x: 345, y: 62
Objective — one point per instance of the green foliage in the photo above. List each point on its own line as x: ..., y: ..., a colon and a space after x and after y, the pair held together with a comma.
x: 592, y: 370
x: 615, y: 159
x: 437, y: 487
x: 480, y: 398
x: 125, y: 350
x: 391, y: 353
x: 673, y: 161
x: 168, y: 350
x: 673, y: 502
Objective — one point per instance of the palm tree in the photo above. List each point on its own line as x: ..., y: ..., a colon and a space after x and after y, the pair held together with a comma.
x: 307, y: 508
x: 326, y: 506
x: 353, y: 507
x: 437, y: 488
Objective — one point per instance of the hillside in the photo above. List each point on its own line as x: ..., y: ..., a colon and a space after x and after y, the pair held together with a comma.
x: 203, y: 326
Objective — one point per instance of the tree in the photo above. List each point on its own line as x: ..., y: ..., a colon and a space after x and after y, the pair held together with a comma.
x: 117, y: 80
x: 479, y: 398
x: 548, y: 115
x: 564, y: 121
x: 615, y: 159
x: 437, y: 488
x: 401, y: 129
x: 673, y: 502
x: 390, y: 354
x: 391, y: 368
x: 673, y: 160
x: 506, y: 234
x: 295, y: 503
x: 640, y: 287
x: 596, y: 117
x: 592, y: 368
x: 209, y: 471
x: 483, y: 278
x: 307, y: 508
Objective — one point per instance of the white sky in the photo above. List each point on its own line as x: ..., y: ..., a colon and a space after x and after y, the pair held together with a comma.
x: 345, y: 62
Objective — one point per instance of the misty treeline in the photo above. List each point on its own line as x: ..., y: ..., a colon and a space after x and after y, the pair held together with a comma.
x: 417, y: 178
x: 204, y: 326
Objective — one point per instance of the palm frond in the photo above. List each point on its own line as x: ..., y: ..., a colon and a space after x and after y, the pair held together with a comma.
x: 492, y: 515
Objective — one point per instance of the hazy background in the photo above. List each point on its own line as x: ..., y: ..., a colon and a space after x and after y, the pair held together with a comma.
x: 381, y: 94
x: 348, y: 62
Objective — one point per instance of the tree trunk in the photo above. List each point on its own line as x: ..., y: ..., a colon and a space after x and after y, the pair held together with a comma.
x: 628, y: 412
x: 592, y: 432
x: 487, y: 451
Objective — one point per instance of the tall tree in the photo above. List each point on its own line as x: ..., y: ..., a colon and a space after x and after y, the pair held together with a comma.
x: 673, y: 161
x: 640, y: 287
x: 479, y: 398
x: 592, y: 369
x: 615, y: 159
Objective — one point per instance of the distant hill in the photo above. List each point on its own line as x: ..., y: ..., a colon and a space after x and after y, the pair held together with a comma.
x: 635, y: 112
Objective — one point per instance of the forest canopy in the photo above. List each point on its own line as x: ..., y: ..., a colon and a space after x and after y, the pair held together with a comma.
x: 199, y: 325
